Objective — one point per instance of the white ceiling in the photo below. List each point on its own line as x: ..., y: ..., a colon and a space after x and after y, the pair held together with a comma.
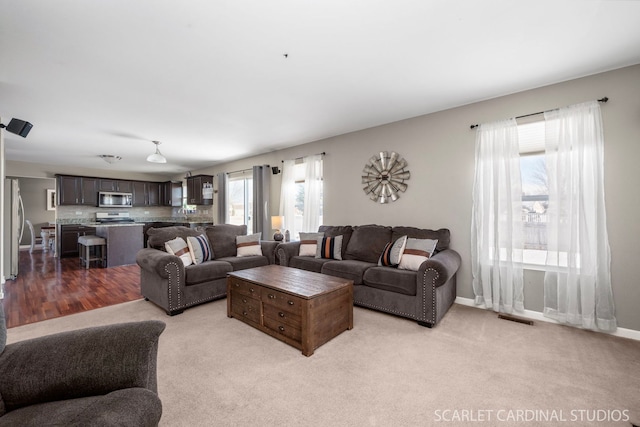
x: 210, y: 79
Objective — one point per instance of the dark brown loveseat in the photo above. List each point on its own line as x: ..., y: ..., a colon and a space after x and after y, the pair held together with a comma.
x: 100, y: 376
x: 424, y: 295
x: 165, y: 280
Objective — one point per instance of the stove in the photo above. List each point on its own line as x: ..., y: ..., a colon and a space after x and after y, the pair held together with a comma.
x: 113, y: 218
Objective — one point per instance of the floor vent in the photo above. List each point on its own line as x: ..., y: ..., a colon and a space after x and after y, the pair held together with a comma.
x: 515, y: 319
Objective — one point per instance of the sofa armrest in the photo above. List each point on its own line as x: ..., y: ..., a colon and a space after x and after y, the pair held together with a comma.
x: 156, y: 261
x: 285, y: 251
x: 85, y: 362
x: 444, y: 264
x: 269, y: 250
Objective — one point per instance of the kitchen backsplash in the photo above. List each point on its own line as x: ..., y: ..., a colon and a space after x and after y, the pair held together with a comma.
x: 81, y: 214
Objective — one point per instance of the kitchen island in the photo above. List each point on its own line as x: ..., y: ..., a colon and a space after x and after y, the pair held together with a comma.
x: 123, y: 242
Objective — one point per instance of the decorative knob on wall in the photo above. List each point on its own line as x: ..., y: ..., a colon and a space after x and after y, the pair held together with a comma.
x: 384, y: 176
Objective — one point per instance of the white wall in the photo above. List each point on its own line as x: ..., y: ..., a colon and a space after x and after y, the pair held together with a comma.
x: 439, y: 148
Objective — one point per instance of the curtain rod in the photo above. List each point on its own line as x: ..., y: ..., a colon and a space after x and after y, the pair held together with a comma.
x: 605, y: 99
x: 300, y: 158
x: 241, y: 170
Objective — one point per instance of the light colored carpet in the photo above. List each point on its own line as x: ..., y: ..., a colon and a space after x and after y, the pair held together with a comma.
x: 472, y: 369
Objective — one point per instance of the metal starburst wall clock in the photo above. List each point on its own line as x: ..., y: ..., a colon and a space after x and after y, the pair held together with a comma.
x: 384, y: 177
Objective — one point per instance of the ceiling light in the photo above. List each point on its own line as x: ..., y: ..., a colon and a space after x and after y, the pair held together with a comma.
x: 156, y: 157
x: 111, y: 159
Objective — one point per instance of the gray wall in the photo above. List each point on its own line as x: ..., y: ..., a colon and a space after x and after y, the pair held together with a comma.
x: 440, y: 150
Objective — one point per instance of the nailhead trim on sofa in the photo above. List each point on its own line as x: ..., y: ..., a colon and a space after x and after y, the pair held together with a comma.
x: 400, y: 313
x: 433, y: 295
x: 171, y: 276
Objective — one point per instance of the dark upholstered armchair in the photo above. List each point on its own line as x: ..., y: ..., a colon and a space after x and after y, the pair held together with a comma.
x: 101, y: 376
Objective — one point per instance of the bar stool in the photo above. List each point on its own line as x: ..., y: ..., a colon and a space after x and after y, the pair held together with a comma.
x: 99, y: 252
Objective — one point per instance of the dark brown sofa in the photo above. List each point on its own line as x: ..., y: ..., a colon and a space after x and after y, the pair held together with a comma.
x: 165, y: 280
x: 101, y: 376
x: 424, y: 295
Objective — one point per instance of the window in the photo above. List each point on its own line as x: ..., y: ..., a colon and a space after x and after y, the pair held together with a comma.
x: 299, y: 176
x: 301, y: 196
x: 240, y: 200
x: 535, y: 191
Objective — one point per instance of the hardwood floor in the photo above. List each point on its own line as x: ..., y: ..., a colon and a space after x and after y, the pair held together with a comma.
x: 48, y: 287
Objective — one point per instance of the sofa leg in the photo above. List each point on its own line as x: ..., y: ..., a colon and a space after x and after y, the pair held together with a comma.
x: 174, y: 312
x: 425, y: 324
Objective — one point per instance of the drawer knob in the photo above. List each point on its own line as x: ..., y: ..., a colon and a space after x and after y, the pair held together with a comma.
x: 244, y: 313
x: 244, y: 300
x: 251, y: 290
x: 281, y: 328
x: 281, y: 314
x: 271, y: 296
x: 290, y: 302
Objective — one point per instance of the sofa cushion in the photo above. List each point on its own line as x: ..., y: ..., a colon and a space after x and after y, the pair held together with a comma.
x: 338, y: 230
x: 347, y: 269
x: 391, y: 279
x: 367, y: 242
x: 158, y: 236
x: 242, y: 263
x: 206, y: 272
x: 179, y: 248
x: 126, y: 407
x: 223, y: 238
x: 329, y: 247
x: 309, y: 243
x: 392, y: 253
x: 308, y: 263
x: 443, y: 236
x: 416, y: 252
x: 199, y: 248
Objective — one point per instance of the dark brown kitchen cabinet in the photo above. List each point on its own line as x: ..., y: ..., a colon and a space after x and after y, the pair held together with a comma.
x: 146, y: 193
x: 116, y: 185
x: 77, y: 190
x: 171, y: 193
x: 69, y: 238
x: 194, y: 189
x: 153, y: 191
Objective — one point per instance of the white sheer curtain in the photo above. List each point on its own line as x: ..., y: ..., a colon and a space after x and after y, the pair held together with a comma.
x: 496, y: 228
x: 288, y: 196
x: 312, y: 193
x: 577, y: 288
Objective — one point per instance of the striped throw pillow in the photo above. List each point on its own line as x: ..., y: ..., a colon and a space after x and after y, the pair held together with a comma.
x: 416, y: 252
x: 309, y: 243
x: 179, y: 248
x: 329, y: 247
x: 249, y: 245
x: 392, y: 252
x: 200, y: 249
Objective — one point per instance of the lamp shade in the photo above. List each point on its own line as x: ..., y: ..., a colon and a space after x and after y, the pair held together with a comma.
x: 156, y: 157
x: 277, y: 222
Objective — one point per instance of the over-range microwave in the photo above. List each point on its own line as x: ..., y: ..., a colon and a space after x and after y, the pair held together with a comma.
x: 109, y: 199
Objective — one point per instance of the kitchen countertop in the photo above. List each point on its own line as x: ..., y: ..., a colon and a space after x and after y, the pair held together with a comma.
x: 139, y: 221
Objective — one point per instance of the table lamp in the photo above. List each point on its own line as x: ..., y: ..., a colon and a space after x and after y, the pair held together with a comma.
x: 276, y: 224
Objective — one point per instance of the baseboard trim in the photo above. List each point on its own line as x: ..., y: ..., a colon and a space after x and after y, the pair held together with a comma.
x: 536, y: 315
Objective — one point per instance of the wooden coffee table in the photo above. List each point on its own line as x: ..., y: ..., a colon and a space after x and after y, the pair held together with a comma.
x: 298, y: 307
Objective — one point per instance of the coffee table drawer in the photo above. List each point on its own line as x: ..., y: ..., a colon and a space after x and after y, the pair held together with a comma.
x: 282, y: 300
x: 245, y: 307
x: 281, y: 315
x: 292, y: 332
x: 245, y: 288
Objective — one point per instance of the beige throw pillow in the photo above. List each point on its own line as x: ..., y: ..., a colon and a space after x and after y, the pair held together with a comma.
x: 179, y: 248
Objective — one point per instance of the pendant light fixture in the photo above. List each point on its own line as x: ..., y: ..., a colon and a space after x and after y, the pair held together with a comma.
x: 110, y: 158
x: 156, y: 157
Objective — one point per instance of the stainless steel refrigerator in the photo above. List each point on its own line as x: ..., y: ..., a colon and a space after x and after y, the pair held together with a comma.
x: 14, y: 225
